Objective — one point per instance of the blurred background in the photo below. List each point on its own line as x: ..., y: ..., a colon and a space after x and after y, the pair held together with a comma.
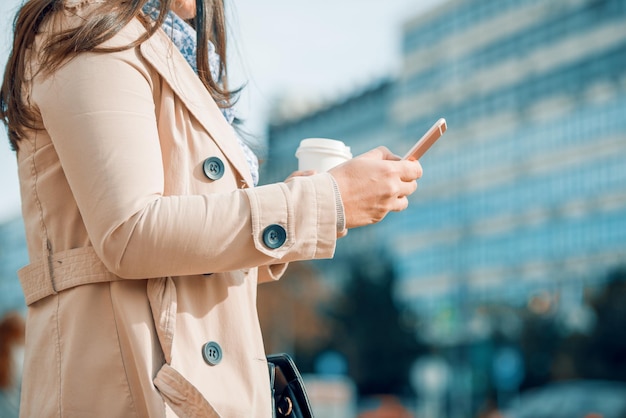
x: 501, y: 290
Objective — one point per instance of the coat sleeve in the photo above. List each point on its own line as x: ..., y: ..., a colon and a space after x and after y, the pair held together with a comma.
x: 100, y: 114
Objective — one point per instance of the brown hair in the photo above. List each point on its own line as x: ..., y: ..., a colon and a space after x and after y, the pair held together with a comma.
x: 11, y: 333
x: 100, y: 26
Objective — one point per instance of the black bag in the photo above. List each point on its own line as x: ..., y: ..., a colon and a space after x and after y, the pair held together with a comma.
x: 289, y: 396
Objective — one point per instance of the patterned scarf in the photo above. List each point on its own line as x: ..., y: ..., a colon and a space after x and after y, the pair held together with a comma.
x: 184, y: 37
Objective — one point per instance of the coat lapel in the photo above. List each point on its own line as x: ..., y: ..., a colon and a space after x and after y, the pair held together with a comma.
x: 163, y: 55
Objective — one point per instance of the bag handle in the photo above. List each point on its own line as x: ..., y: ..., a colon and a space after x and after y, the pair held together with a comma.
x: 289, y: 394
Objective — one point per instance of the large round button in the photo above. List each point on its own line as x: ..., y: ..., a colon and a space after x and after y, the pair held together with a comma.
x: 213, y: 168
x: 274, y: 236
x: 212, y: 353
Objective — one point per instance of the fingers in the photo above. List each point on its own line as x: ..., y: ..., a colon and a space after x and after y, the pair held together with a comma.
x: 410, y: 170
x: 374, y: 184
x: 301, y: 173
x: 407, y: 188
x: 374, y: 154
x: 401, y: 204
x: 380, y: 153
x: 388, y: 155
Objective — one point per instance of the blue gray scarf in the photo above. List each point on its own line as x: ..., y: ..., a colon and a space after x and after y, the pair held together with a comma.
x: 184, y: 37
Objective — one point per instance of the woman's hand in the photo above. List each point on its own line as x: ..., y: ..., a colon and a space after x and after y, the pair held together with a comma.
x: 374, y: 184
x: 299, y: 173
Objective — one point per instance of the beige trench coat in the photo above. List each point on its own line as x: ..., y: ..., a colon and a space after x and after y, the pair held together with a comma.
x: 138, y: 259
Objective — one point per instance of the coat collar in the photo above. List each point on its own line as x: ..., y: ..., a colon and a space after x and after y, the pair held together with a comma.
x: 161, y: 53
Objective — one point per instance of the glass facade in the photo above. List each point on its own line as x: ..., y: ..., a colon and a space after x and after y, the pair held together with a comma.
x: 13, y: 256
x: 360, y: 121
x: 527, y: 190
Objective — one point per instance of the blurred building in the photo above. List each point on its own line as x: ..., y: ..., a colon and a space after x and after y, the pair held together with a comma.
x: 13, y: 256
x: 526, y: 191
x: 362, y: 121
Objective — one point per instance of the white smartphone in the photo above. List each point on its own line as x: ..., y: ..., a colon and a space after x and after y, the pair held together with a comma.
x: 426, y: 141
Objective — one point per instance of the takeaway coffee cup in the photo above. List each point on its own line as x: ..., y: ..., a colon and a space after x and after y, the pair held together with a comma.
x: 321, y: 154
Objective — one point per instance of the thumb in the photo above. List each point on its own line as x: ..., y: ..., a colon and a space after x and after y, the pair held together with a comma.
x: 379, y: 153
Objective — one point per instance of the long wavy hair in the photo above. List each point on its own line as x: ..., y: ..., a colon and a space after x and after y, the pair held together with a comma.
x: 109, y: 18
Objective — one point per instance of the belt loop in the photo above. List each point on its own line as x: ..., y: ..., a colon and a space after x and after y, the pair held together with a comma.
x: 47, y: 265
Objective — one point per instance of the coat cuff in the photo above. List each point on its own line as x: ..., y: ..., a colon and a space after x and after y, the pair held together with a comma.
x: 300, y: 216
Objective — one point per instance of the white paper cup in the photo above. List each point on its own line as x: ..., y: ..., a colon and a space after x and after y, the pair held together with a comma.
x: 321, y: 154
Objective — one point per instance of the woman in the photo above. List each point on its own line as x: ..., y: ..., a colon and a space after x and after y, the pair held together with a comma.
x: 146, y: 236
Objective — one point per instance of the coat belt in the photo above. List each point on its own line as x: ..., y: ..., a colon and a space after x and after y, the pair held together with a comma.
x: 63, y: 270
x: 67, y: 269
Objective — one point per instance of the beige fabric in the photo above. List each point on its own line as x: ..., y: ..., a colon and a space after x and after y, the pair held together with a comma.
x: 181, y: 396
x: 118, y: 296
x: 71, y: 268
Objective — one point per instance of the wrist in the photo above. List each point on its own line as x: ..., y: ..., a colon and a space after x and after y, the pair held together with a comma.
x: 341, y: 216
